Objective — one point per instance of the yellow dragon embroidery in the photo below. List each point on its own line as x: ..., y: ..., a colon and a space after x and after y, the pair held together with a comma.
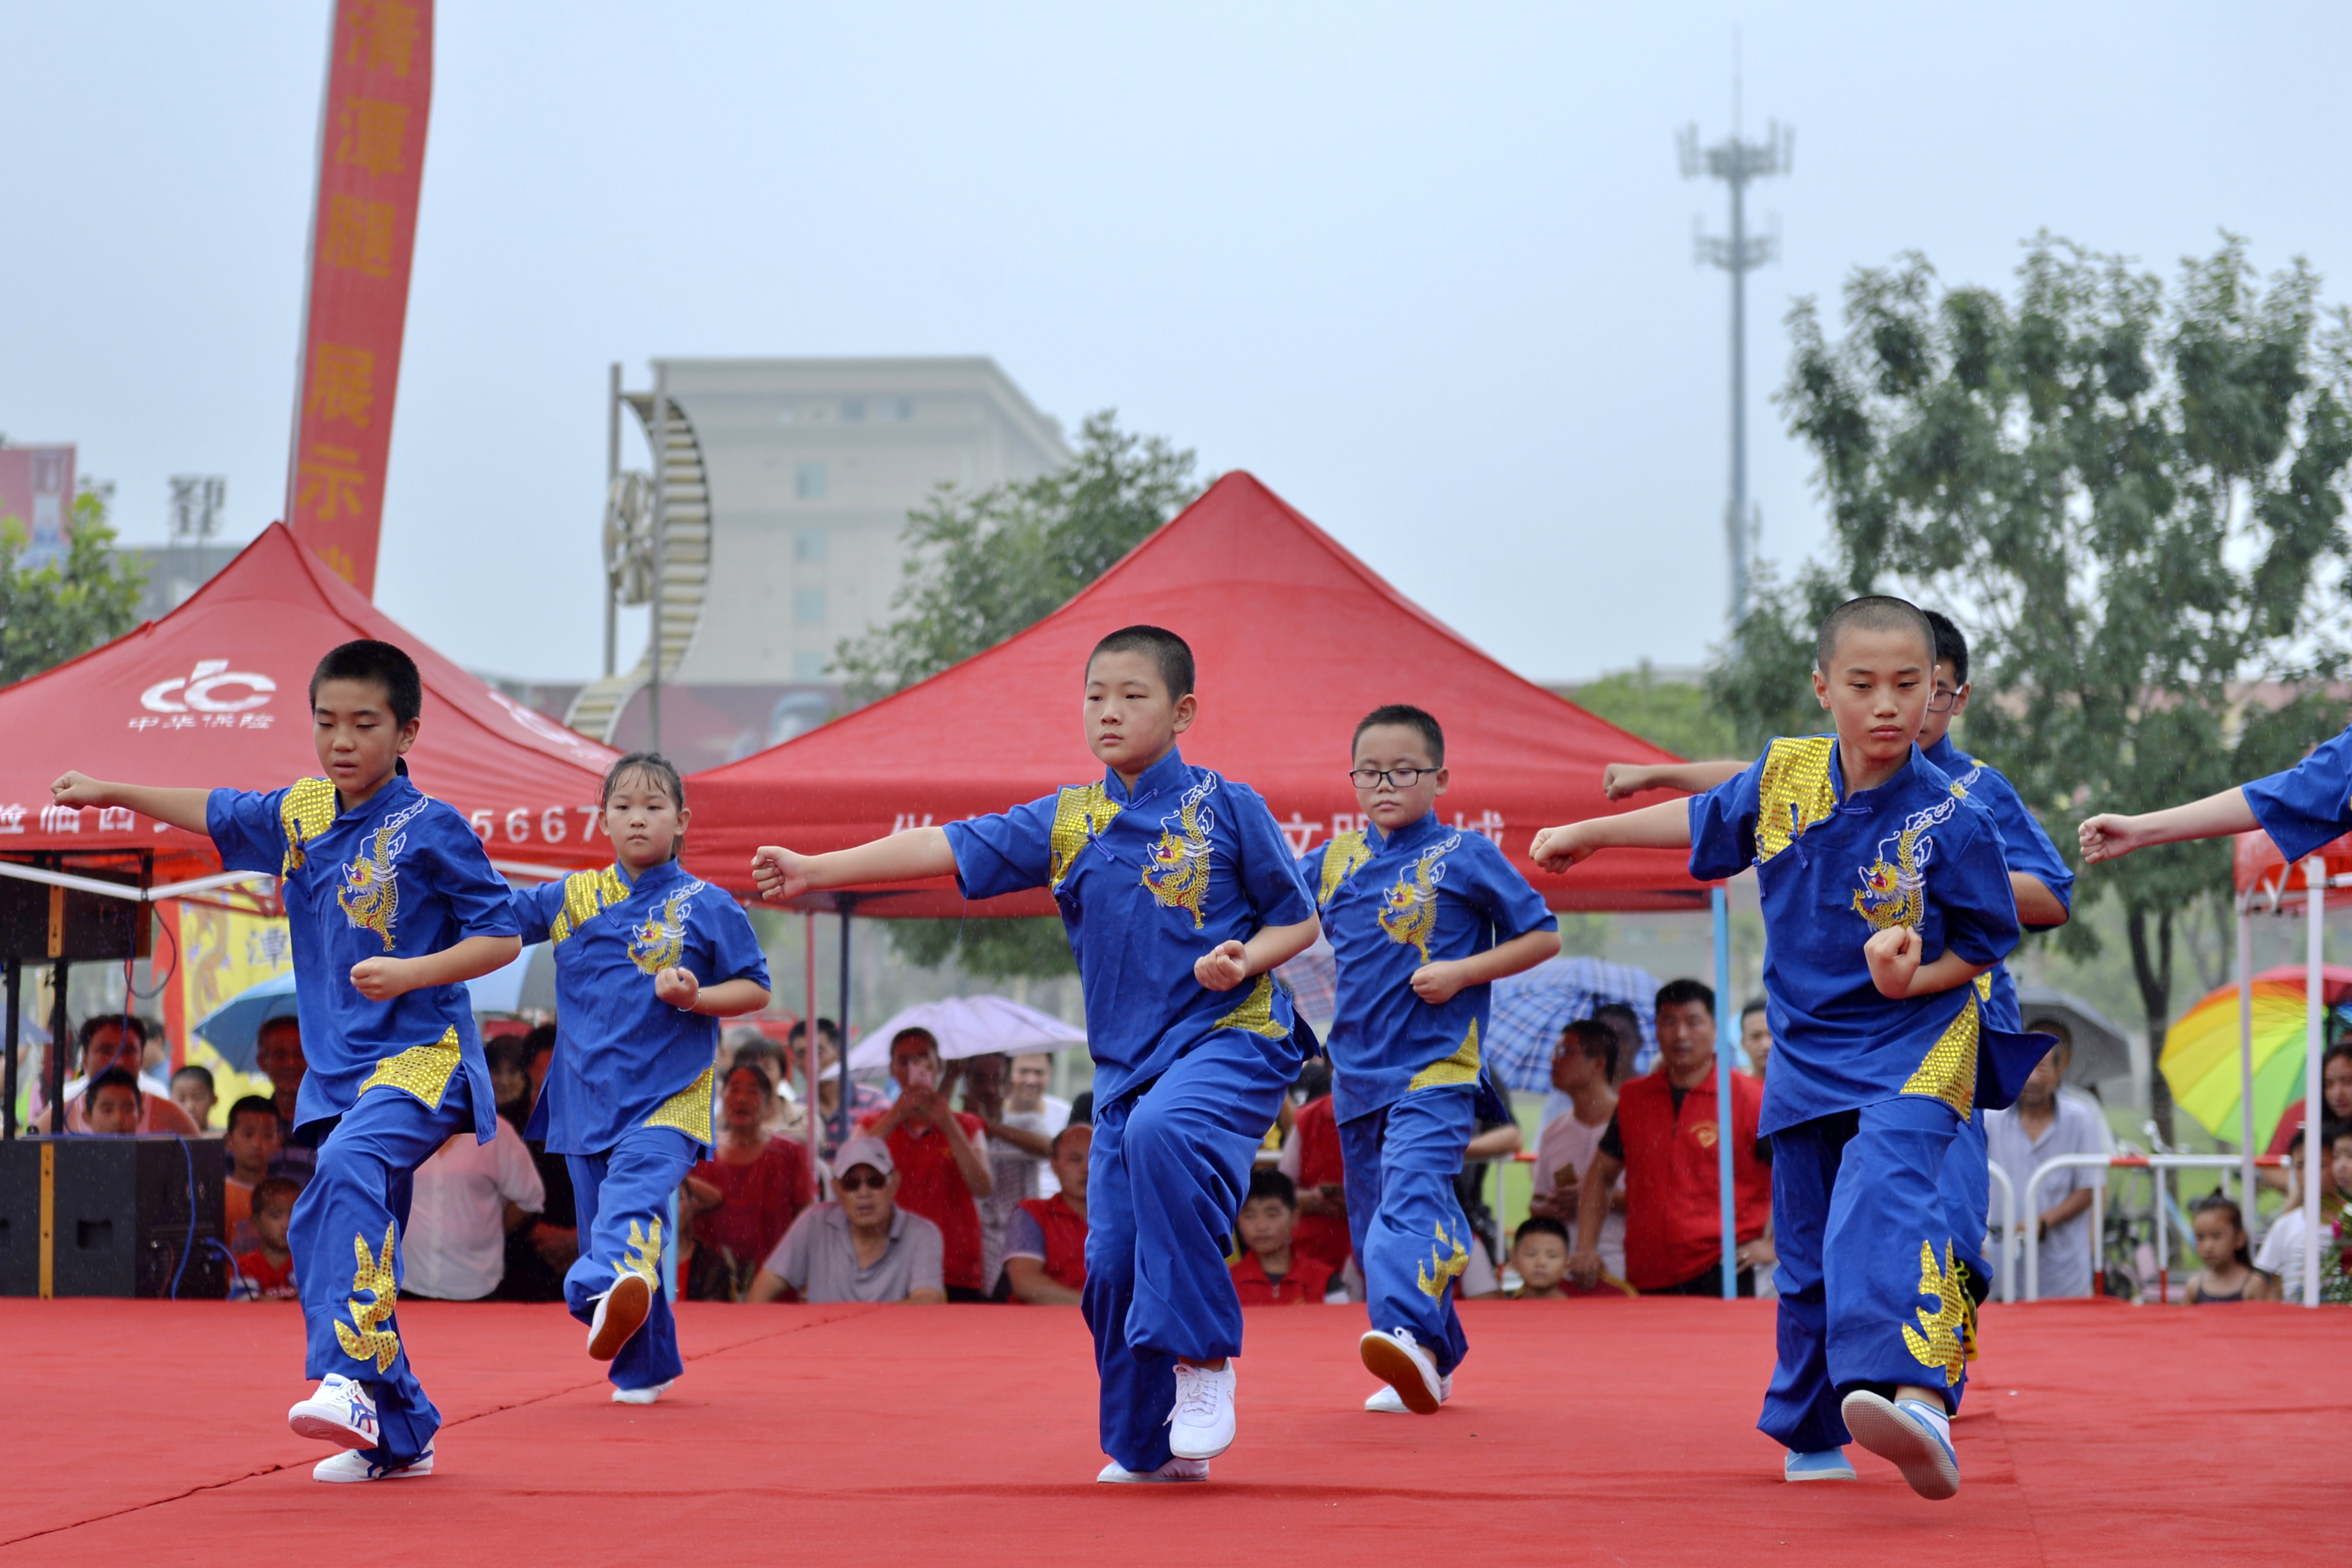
x: 1177, y: 870
x: 1445, y: 1268
x: 1940, y: 1346
x: 1409, y: 910
x: 1895, y: 894
x: 658, y: 941
x: 643, y: 1257
x: 375, y: 1278
x: 370, y: 894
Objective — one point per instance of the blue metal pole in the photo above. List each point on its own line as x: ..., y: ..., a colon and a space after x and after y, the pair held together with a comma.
x: 1727, y: 1016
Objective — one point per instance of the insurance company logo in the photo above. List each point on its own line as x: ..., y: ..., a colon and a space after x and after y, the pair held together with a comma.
x: 211, y: 696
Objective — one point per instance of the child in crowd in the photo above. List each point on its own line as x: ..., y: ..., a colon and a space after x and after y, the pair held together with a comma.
x: 192, y: 1091
x: 1421, y: 919
x: 251, y: 1143
x: 2283, y: 1246
x: 2229, y: 1274
x: 393, y: 906
x: 1180, y: 898
x: 1883, y: 899
x: 1270, y: 1272
x: 265, y: 1271
x: 647, y: 960
x: 1756, y: 1035
x: 1583, y: 1067
x: 113, y: 1103
x: 1539, y: 1254
x: 1045, y: 1241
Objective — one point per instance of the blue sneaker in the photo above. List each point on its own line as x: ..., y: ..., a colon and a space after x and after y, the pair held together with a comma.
x: 1913, y: 1436
x: 1823, y: 1465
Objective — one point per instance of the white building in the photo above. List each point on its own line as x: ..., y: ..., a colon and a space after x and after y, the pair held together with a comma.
x: 787, y: 489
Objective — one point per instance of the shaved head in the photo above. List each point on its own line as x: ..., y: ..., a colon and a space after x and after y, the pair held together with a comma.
x: 1873, y: 613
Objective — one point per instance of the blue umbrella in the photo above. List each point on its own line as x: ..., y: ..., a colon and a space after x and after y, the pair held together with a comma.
x: 1531, y: 1009
x: 235, y: 1024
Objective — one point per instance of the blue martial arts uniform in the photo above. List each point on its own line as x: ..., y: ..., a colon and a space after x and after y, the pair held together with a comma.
x: 1866, y: 1093
x: 1966, y: 1186
x: 2309, y: 805
x: 627, y: 1100
x: 1403, y: 1073
x: 401, y: 876
x: 1187, y: 1080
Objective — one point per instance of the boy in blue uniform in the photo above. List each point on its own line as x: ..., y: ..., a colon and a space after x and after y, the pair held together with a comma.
x: 393, y: 905
x: 1421, y: 918
x: 1884, y: 896
x: 1181, y: 897
x: 647, y: 961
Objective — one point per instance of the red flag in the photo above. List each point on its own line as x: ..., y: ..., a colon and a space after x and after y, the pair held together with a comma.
x: 371, y: 165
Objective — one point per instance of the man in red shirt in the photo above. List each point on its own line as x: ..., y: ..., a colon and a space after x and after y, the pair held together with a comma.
x: 1662, y: 1138
x: 1045, y: 1241
x: 942, y: 1159
x: 1312, y: 1160
x: 1272, y: 1272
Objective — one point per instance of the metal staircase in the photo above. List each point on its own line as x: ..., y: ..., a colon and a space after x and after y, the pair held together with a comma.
x: 684, y: 572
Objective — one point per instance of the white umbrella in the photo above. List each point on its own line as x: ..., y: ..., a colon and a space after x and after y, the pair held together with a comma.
x: 969, y: 1025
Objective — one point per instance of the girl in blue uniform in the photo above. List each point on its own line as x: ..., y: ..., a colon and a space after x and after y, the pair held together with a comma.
x: 647, y: 961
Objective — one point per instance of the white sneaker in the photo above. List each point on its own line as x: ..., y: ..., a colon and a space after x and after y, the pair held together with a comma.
x: 1398, y: 1360
x: 1173, y: 1470
x: 642, y: 1395
x: 339, y: 1411
x: 621, y: 1311
x: 1912, y: 1437
x: 1389, y: 1402
x: 355, y: 1467
x: 1202, y: 1418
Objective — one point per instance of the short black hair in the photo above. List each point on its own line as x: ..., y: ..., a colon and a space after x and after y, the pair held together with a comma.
x: 511, y: 1052
x: 275, y: 1187
x: 1540, y: 1224
x: 203, y: 1075
x: 1674, y: 993
x: 1951, y: 645
x: 1169, y: 652
x: 250, y: 1106
x: 826, y: 1029
x: 540, y: 1037
x: 365, y: 659
x: 1754, y: 1005
x: 133, y: 1026
x: 1267, y: 1182
x: 1598, y: 1039
x: 752, y: 1053
x: 1410, y: 717
x: 747, y: 1064
x: 1870, y: 612
x: 1054, y: 1148
x: 113, y: 1078
x: 278, y: 1020
x: 2330, y: 1131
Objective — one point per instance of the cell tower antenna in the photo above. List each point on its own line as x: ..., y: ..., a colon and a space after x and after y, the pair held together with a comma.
x: 1735, y: 161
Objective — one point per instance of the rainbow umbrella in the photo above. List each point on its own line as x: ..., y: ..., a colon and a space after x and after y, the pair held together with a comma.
x: 2200, y: 1052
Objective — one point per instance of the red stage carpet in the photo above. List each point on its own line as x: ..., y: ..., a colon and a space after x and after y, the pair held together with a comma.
x: 1601, y: 1432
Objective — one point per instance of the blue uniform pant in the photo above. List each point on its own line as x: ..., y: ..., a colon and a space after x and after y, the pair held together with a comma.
x: 346, y: 1237
x: 1165, y: 1186
x: 1403, y: 1217
x: 623, y: 1195
x: 1967, y: 1187
x: 1869, y: 1294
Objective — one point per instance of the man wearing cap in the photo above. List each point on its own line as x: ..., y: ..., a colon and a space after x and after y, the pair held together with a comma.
x: 863, y: 1247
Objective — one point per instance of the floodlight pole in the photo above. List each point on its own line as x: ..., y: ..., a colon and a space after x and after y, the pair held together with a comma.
x: 1735, y: 161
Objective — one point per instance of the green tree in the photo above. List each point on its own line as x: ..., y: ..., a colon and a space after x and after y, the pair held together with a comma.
x: 985, y: 565
x: 2130, y: 494
x: 1687, y: 719
x: 69, y: 606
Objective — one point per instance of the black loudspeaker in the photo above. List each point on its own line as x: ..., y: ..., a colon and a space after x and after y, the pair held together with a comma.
x: 110, y: 1216
x: 39, y: 924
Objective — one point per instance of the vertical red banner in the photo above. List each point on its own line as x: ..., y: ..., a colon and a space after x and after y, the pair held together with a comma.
x: 362, y: 231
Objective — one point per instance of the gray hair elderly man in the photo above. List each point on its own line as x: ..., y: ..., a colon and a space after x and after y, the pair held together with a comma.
x: 861, y: 1248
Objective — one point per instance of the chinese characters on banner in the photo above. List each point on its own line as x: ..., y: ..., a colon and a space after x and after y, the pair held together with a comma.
x: 362, y: 230
x: 223, y: 953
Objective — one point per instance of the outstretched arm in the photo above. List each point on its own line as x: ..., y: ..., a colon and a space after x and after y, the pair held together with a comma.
x: 1438, y: 982
x: 1228, y: 963
x: 379, y: 980
x: 1665, y: 826
x: 182, y: 809
x: 2110, y: 836
x: 1619, y: 780
x: 913, y: 856
x: 2036, y: 904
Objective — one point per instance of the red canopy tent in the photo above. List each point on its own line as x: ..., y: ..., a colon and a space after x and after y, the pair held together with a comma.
x: 214, y: 693
x: 2263, y: 880
x: 1296, y: 640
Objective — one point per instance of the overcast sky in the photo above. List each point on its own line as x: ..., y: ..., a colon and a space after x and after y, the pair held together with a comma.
x: 1426, y: 271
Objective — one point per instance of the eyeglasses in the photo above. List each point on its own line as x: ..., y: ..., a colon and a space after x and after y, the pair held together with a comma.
x: 1941, y: 699
x: 852, y: 1182
x: 1398, y: 778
